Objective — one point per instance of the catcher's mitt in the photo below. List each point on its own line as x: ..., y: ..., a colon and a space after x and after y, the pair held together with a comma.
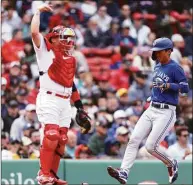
x: 83, y: 120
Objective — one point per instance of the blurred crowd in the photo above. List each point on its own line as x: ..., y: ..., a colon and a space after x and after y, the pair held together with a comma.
x: 114, y: 72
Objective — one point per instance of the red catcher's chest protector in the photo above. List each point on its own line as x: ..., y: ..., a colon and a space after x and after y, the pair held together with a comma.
x: 63, y: 68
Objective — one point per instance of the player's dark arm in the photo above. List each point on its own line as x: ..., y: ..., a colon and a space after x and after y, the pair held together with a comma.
x: 76, y: 97
x: 182, y: 84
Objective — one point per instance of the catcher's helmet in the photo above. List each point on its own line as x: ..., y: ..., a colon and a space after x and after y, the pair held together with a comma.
x: 161, y: 44
x: 67, y: 37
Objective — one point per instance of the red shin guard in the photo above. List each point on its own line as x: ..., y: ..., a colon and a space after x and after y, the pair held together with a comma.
x: 49, y: 145
x: 60, y: 149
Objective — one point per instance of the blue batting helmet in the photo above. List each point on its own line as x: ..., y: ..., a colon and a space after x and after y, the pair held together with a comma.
x: 162, y: 44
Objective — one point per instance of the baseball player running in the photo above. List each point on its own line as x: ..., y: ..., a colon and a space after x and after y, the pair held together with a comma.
x: 155, y: 123
x: 57, y: 70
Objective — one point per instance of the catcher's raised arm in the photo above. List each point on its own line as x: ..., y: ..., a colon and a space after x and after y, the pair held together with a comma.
x: 35, y: 23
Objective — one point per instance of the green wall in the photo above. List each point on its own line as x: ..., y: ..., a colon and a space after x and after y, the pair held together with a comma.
x: 92, y: 171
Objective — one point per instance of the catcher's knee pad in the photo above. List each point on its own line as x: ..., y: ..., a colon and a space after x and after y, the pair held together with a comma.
x: 63, y: 136
x: 51, y: 132
x: 51, y: 136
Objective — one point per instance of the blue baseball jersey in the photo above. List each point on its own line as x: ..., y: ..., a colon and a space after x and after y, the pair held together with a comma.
x: 169, y: 73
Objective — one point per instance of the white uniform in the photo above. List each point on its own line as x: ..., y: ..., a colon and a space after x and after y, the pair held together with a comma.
x: 154, y: 125
x: 50, y: 108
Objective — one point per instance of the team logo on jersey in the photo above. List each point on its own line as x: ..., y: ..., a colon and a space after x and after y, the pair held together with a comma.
x: 158, y: 82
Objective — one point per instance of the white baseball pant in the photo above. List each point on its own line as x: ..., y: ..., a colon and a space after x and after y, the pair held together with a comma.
x: 53, y: 110
x: 154, y: 124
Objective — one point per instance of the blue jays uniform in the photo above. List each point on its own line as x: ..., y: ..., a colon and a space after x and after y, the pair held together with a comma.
x: 155, y: 123
x: 169, y: 73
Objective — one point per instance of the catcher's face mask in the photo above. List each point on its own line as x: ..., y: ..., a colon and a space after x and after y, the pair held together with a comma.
x: 67, y: 39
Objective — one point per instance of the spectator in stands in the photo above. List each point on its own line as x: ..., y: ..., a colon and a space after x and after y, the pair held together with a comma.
x: 11, y: 115
x: 13, y: 150
x: 112, y: 7
x: 35, y: 138
x: 14, y: 49
x: 182, y: 148
x: 139, y: 30
x: 4, y: 5
x: 3, y: 107
x: 179, y: 44
x: 104, y: 85
x: 172, y: 138
x: 112, y: 35
x: 82, y: 65
x: 122, y: 136
x: 89, y: 89
x: 124, y: 74
x: 18, y: 125
x: 4, y: 140
x: 88, y: 9
x: 25, y: 70
x: 126, y: 39
x: 102, y: 19
x: 23, y: 82
x: 125, y: 15
x: 71, y: 145
x: 31, y: 97
x: 13, y: 18
x: 188, y: 44
x: 3, y: 97
x: 112, y: 105
x: 75, y: 12
x: 140, y: 88
x: 6, y: 28
x: 143, y: 60
x: 21, y: 98
x: 150, y: 38
x: 29, y: 53
x: 24, y: 151
x: 112, y: 147
x: 136, y: 108
x: 26, y: 20
x: 79, y: 37
x: 119, y: 118
x: 122, y: 95
x: 97, y: 141
x: 94, y: 36
x: 82, y: 152
x: 14, y: 73
x: 102, y: 103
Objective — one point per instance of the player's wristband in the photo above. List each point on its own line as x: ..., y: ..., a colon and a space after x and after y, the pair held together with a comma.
x: 78, y: 104
x: 174, y: 86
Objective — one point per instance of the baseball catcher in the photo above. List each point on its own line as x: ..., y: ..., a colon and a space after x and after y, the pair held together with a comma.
x: 57, y: 69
